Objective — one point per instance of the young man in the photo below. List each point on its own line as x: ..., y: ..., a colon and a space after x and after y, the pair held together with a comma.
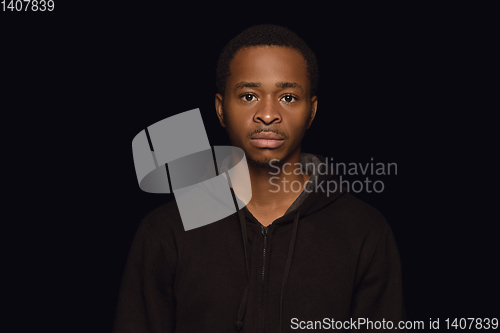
x: 297, y: 256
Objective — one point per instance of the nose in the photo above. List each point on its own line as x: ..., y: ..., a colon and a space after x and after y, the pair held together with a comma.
x: 267, y: 112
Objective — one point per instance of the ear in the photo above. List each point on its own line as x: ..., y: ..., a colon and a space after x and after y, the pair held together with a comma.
x: 314, y: 106
x: 219, y: 109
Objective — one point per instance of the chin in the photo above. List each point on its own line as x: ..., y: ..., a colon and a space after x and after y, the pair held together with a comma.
x: 263, y: 161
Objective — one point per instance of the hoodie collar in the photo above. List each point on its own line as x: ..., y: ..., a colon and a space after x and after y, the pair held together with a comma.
x: 315, y: 195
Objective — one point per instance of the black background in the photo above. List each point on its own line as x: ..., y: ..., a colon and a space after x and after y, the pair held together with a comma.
x: 404, y: 85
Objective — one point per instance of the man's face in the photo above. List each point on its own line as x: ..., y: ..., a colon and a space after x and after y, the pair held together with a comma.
x: 267, y: 106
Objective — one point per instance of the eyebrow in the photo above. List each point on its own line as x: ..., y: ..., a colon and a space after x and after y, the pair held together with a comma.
x: 245, y: 84
x: 289, y: 85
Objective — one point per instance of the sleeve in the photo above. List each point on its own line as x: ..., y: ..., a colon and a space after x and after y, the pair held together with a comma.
x: 378, y: 296
x: 146, y: 301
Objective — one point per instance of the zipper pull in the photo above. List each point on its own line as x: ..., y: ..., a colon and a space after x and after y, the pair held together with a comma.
x: 264, y: 230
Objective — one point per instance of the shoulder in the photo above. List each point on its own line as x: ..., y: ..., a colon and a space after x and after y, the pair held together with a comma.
x: 358, y: 218
x: 157, y: 234
x: 363, y: 230
x: 163, y: 220
x: 359, y: 210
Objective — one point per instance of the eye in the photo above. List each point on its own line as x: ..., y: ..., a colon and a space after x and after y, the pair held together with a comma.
x: 289, y: 98
x: 248, y: 97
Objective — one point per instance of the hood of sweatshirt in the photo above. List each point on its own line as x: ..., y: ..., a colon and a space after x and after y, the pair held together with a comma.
x: 322, y: 189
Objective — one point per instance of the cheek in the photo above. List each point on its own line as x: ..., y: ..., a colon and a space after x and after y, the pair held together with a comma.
x: 234, y: 125
x: 301, y: 122
x: 231, y: 110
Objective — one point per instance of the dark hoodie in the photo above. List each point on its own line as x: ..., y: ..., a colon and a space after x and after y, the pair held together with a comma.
x: 329, y: 257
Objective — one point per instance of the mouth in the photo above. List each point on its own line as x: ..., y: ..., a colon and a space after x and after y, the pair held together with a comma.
x: 267, y: 140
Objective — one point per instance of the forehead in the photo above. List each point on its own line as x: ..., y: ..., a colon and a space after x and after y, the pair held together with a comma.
x: 269, y: 63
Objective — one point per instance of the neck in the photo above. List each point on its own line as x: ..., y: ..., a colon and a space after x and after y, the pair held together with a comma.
x: 273, y: 190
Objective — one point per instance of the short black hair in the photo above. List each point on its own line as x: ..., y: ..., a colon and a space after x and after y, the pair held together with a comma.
x: 265, y: 35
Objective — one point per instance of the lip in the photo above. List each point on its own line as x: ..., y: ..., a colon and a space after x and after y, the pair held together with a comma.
x: 266, y: 136
x: 266, y: 140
